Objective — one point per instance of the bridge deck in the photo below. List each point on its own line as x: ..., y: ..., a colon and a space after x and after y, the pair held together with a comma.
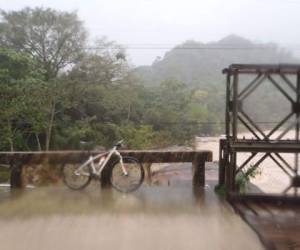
x: 276, y: 219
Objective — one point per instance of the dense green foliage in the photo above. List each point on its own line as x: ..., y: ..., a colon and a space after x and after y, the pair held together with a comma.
x: 55, y: 39
x: 20, y: 80
x: 77, y: 110
x: 56, y: 95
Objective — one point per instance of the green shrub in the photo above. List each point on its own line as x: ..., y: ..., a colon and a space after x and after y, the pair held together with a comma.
x: 244, y: 177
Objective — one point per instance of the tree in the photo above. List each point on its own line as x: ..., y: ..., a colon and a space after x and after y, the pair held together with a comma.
x: 17, y: 73
x: 56, y: 39
x: 168, y: 108
x: 102, y: 66
x: 29, y: 105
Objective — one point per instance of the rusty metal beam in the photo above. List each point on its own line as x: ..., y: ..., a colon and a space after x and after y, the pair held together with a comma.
x: 262, y: 68
x: 227, y: 110
x: 297, y: 129
x: 288, y: 82
x: 248, y: 127
x: 272, y: 80
x: 253, y: 87
x: 280, y: 166
x: 285, y: 162
x: 284, y: 120
x: 265, y: 146
x: 253, y: 82
x: 235, y: 105
x: 253, y: 124
x: 246, y: 162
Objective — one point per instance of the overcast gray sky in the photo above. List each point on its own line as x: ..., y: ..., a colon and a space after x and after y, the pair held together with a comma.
x: 165, y: 23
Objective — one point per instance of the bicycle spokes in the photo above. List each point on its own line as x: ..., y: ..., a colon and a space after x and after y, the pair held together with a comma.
x: 131, y: 179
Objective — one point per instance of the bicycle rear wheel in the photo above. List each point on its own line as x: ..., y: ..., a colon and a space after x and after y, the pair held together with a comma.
x: 130, y: 182
x: 74, y: 178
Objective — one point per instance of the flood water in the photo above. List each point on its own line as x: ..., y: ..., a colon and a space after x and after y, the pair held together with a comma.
x: 172, y: 216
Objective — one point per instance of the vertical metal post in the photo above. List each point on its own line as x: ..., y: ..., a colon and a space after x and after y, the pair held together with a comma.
x: 227, y: 114
x: 297, y: 127
x: 227, y: 171
x: 222, y: 161
x: 235, y: 105
x: 223, y: 153
x: 232, y: 171
x: 235, y: 110
x: 297, y: 124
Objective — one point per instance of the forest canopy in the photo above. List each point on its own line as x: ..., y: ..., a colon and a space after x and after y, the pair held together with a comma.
x: 57, y: 94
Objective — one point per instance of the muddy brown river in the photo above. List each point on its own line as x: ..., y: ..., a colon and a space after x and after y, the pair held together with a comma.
x: 172, y: 216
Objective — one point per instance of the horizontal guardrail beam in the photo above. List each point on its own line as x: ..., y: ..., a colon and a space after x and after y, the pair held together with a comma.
x: 151, y: 156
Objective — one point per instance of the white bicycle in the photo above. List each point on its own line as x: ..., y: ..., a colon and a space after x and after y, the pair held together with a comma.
x: 127, y: 173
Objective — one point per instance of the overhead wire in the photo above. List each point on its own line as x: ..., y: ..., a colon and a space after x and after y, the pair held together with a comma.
x: 188, y: 48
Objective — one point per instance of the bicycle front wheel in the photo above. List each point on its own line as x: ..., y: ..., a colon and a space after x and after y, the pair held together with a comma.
x: 134, y: 178
x: 75, y: 177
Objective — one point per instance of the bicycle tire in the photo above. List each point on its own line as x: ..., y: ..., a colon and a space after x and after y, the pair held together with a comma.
x: 133, y: 180
x: 79, y: 181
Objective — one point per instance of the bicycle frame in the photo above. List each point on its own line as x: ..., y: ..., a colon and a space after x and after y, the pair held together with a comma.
x: 101, y: 164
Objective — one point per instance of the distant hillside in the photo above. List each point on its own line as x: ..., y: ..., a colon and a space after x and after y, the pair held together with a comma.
x: 200, y: 64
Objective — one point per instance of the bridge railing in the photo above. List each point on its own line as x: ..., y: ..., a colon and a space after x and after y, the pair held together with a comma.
x: 19, y: 160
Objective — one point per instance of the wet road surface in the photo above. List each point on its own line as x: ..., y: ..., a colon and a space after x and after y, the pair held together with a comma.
x: 154, y: 217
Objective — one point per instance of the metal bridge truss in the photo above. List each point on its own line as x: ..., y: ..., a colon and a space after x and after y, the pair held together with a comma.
x: 262, y: 145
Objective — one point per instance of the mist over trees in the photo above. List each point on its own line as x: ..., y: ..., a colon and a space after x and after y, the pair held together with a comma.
x: 57, y: 94
x: 200, y: 65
